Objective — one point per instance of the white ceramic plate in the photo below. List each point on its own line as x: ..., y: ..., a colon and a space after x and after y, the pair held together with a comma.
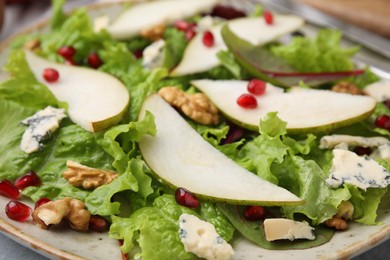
x: 68, y: 244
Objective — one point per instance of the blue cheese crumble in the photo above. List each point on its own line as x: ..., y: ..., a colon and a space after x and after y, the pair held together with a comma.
x: 153, y: 55
x: 200, y: 237
x: 361, y: 171
x: 282, y: 228
x: 40, y: 126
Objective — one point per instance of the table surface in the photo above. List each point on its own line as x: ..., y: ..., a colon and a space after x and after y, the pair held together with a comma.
x: 18, y: 18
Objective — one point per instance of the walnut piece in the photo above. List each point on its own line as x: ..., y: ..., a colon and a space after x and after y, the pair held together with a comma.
x: 32, y: 45
x: 347, y: 87
x: 153, y: 33
x: 89, y: 178
x: 53, y: 212
x: 196, y: 106
x: 337, y: 223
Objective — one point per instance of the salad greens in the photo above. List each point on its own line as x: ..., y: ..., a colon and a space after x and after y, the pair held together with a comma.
x: 142, y: 210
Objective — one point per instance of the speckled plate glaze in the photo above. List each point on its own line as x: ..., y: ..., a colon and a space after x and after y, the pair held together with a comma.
x: 68, y: 244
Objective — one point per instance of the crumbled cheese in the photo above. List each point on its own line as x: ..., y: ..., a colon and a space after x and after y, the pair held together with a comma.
x: 100, y: 23
x: 200, y: 237
x: 153, y: 55
x: 331, y: 141
x: 282, y: 228
x: 363, y: 172
x: 382, y: 152
x: 40, y: 127
x: 379, y: 90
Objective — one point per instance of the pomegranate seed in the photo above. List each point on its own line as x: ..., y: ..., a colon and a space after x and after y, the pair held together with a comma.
x: 235, y: 133
x: 51, y: 75
x: 124, y: 256
x: 98, y: 224
x: 227, y: 12
x: 70, y: 62
x: 41, y: 201
x: 254, y: 213
x: 383, y: 121
x: 182, y: 25
x: 29, y: 179
x: 360, y: 150
x: 190, y: 34
x: 387, y: 103
x: 8, y: 189
x: 18, y: 211
x: 208, y: 39
x: 94, y: 60
x: 256, y: 87
x: 138, y: 54
x: 67, y: 52
x: 247, y: 101
x: 186, y: 198
x: 268, y: 17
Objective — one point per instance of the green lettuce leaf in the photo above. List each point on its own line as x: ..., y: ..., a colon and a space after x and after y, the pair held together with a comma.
x: 321, y: 54
x: 68, y: 143
x: 22, y: 87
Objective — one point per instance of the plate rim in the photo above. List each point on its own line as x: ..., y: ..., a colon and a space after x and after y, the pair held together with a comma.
x: 48, y: 250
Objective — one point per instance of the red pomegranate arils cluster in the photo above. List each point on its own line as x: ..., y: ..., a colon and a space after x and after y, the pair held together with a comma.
x: 268, y: 17
x: 18, y: 211
x: 227, y: 12
x: 14, y: 209
x: 254, y: 213
x: 208, y: 39
x: 185, y: 198
x: 51, y: 75
x: 255, y: 87
x: 188, y: 28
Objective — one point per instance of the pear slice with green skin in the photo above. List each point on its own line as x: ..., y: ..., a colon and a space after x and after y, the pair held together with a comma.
x: 200, y: 58
x: 147, y: 15
x: 182, y: 158
x: 96, y: 100
x: 304, y: 110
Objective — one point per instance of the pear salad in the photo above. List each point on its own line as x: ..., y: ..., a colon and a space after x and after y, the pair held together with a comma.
x: 179, y: 126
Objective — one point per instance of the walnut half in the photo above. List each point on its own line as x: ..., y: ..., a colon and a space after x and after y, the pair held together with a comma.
x: 89, y: 178
x: 53, y: 212
x: 197, y: 106
x: 347, y: 87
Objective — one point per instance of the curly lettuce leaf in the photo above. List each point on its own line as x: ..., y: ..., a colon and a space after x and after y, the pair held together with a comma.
x: 321, y: 54
x: 68, y: 143
x: 22, y: 87
x: 156, y: 228
x: 121, y: 141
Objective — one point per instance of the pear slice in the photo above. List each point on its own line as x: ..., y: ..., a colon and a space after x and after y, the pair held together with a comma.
x: 199, y: 58
x: 304, y: 110
x: 147, y: 15
x: 182, y: 158
x: 96, y: 100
